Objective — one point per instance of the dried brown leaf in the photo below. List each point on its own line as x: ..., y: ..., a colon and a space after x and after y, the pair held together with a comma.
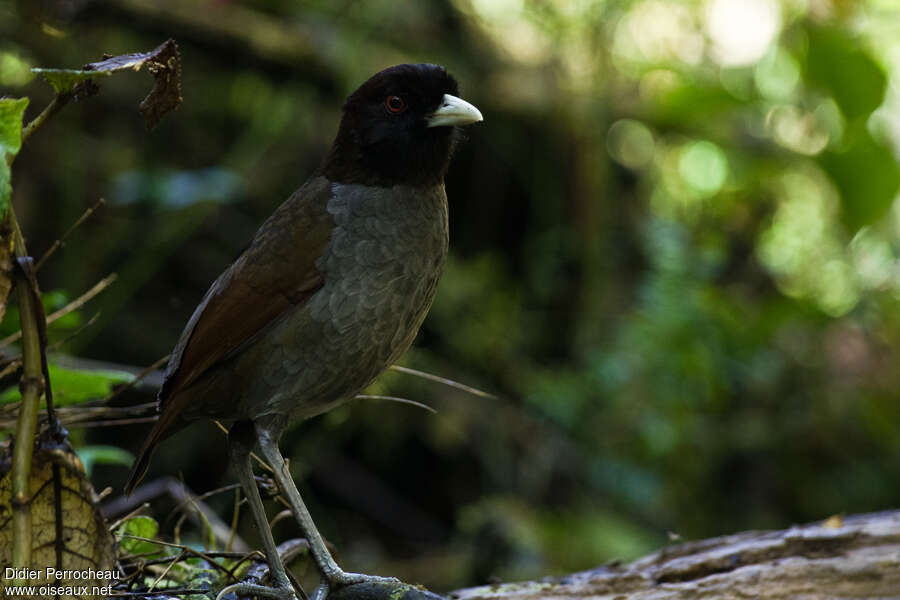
x: 162, y: 62
x: 68, y: 530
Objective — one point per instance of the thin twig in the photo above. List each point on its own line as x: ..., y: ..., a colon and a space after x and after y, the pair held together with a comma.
x: 247, y: 556
x: 176, y: 531
x: 286, y: 513
x: 444, y: 380
x: 51, y: 109
x: 253, y: 455
x: 205, y: 517
x: 16, y: 362
x: 202, y: 514
x: 73, y: 305
x: 183, y: 548
x: 165, y: 572
x: 192, y: 500
x: 144, y: 562
x: 110, y: 422
x: 82, y: 299
x: 62, y: 239
x: 75, y: 415
x: 59, y: 344
x: 138, y: 378
x: 12, y: 366
x: 134, y: 560
x: 396, y: 399
x: 133, y: 513
x: 90, y: 409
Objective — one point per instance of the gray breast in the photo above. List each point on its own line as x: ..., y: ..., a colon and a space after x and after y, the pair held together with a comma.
x: 381, y: 268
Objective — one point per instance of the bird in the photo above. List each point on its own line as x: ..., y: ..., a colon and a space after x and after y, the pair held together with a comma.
x: 331, y: 291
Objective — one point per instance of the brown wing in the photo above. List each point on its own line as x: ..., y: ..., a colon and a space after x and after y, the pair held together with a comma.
x: 276, y: 273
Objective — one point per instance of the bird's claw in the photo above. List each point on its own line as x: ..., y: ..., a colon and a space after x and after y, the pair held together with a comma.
x: 340, y: 579
x: 253, y: 589
x: 335, y: 581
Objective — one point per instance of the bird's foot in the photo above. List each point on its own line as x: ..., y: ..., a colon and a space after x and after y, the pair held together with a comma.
x: 339, y: 579
x: 284, y: 592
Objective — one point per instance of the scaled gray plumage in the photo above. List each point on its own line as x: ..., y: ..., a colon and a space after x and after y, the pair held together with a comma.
x: 381, y: 268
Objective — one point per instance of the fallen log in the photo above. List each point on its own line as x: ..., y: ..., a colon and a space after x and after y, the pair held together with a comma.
x: 850, y: 557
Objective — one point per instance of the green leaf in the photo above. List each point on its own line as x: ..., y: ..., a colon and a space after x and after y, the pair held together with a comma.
x: 75, y: 387
x: 11, y: 113
x: 107, y: 455
x: 72, y: 386
x: 140, y: 526
x: 65, y: 80
x: 836, y: 62
x: 867, y: 176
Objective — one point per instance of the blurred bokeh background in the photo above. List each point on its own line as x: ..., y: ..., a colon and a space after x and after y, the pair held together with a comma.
x: 675, y: 259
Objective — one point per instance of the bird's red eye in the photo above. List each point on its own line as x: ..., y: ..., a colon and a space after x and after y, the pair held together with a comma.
x: 395, y: 104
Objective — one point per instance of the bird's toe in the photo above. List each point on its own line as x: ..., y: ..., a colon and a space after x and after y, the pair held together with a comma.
x: 239, y: 590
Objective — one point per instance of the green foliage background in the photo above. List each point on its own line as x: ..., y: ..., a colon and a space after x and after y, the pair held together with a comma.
x: 675, y: 258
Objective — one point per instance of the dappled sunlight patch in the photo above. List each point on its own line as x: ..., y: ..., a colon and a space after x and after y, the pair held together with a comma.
x: 803, y: 246
x: 692, y: 173
x: 630, y: 143
x: 797, y: 130
x: 703, y: 166
x: 741, y: 30
x: 658, y: 32
x: 15, y: 69
x: 777, y: 75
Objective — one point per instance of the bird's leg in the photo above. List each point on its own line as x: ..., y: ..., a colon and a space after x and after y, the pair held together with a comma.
x: 239, y: 446
x: 333, y: 575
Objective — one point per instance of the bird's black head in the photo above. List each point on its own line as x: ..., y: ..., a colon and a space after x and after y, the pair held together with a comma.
x: 399, y: 127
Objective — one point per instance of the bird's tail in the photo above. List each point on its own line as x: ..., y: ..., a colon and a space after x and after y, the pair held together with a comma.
x: 167, y: 424
x: 140, y: 466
